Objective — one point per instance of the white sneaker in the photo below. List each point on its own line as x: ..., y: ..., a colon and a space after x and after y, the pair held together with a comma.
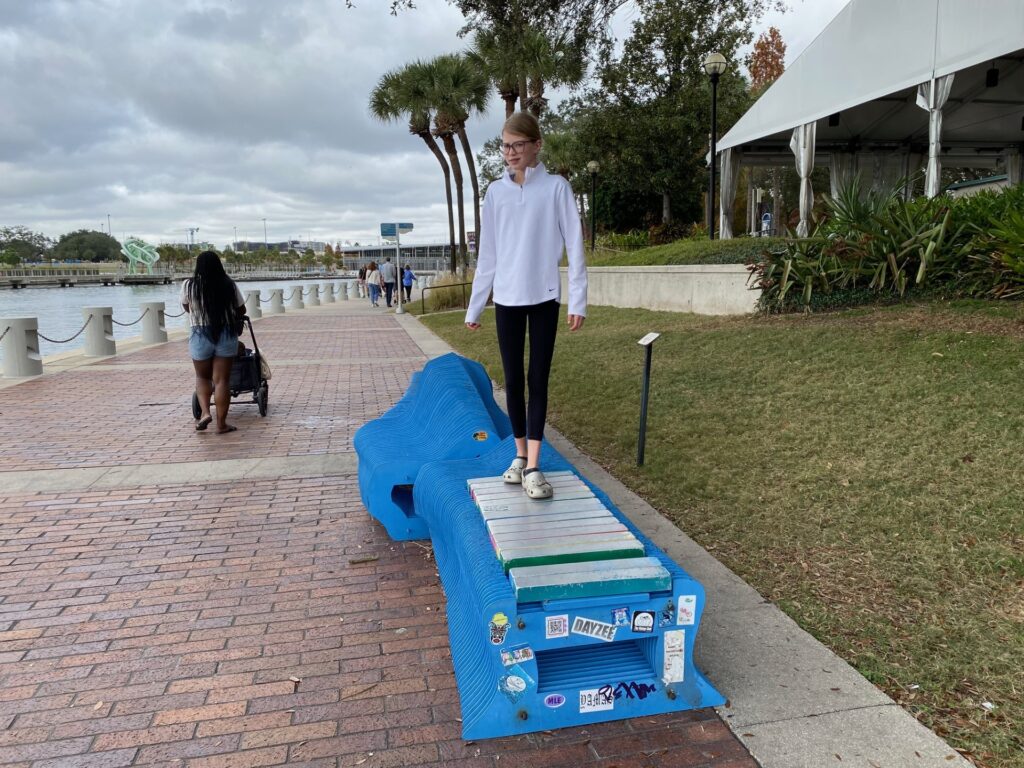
x: 514, y: 474
x: 537, y: 486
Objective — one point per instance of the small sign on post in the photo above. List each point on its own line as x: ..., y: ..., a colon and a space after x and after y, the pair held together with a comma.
x: 647, y: 342
x: 766, y: 224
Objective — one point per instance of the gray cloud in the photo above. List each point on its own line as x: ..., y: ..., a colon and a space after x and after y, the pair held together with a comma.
x: 169, y: 114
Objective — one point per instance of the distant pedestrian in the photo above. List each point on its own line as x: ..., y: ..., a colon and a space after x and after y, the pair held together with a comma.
x: 373, y: 282
x: 361, y: 281
x: 407, y: 280
x: 388, y: 275
x: 215, y: 307
x: 529, y: 216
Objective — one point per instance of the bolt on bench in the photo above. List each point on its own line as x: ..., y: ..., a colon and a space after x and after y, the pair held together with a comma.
x: 560, y: 612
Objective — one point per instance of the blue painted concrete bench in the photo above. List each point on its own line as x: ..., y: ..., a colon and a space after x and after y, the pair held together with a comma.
x: 539, y: 643
x: 448, y: 412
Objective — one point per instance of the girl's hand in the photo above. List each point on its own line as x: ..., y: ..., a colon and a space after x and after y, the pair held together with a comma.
x: 473, y: 326
x: 575, y: 322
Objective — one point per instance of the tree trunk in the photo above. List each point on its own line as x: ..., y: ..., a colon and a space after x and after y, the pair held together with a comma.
x: 510, y: 105
x: 471, y: 164
x: 432, y: 144
x: 776, y: 201
x: 453, y: 159
x: 751, y: 203
x: 666, y: 208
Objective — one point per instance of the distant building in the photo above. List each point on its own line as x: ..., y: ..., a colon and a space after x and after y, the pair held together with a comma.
x: 974, y: 186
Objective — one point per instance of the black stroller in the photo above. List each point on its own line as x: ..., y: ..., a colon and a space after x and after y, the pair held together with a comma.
x: 246, y: 377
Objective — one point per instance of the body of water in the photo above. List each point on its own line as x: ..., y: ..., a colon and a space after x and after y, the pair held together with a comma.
x: 59, y: 310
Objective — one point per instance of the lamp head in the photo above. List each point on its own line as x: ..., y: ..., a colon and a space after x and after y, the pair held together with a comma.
x: 593, y: 166
x: 715, y: 64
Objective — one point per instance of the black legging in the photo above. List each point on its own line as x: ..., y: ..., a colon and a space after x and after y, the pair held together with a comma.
x: 511, y: 323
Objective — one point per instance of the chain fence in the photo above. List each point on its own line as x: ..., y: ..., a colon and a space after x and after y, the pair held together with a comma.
x: 65, y: 341
x: 133, y: 322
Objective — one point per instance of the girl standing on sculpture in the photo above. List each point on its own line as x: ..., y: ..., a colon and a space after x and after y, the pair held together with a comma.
x: 529, y: 217
x: 215, y: 306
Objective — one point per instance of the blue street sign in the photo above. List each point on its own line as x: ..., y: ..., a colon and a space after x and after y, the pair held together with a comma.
x: 393, y: 230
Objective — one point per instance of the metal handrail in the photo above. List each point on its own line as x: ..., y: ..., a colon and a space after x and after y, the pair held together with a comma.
x: 423, y: 295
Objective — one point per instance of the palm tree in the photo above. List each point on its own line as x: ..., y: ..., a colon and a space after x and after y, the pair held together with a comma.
x: 552, y: 62
x: 404, y: 94
x: 460, y: 89
x: 500, y: 64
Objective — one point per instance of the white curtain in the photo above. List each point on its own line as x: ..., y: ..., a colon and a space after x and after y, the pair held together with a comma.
x: 1013, y: 167
x: 730, y: 170
x: 802, y: 145
x: 841, y: 169
x: 932, y: 96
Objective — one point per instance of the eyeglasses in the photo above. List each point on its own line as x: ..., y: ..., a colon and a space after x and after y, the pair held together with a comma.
x: 515, y: 146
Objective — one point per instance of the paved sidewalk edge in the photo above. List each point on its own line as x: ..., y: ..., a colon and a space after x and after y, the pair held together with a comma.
x: 792, y: 702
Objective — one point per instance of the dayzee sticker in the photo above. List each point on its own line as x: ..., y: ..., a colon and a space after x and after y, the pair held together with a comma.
x: 643, y: 621
x: 597, y: 699
x: 620, y: 617
x: 556, y: 626
x: 516, y: 654
x: 593, y: 628
x: 687, y: 609
x: 554, y: 700
x: 499, y: 628
x: 672, y: 663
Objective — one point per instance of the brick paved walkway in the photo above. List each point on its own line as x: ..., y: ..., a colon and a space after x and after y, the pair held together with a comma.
x: 225, y: 624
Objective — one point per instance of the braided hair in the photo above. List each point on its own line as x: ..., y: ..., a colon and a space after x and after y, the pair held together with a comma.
x: 213, y: 293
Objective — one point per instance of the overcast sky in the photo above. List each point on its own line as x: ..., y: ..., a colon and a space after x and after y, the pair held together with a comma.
x: 170, y: 114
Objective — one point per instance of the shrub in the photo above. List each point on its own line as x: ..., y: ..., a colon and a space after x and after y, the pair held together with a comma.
x: 440, y: 298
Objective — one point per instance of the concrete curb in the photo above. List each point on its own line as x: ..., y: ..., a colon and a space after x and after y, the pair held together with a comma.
x: 792, y: 702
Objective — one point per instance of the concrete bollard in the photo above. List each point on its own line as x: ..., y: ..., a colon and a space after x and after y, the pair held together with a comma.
x: 328, y: 291
x: 99, y: 334
x: 252, y: 304
x: 20, y: 345
x: 314, y: 295
x: 357, y: 291
x: 343, y: 292
x: 421, y: 282
x: 154, y: 324
x: 276, y: 301
x: 296, y: 302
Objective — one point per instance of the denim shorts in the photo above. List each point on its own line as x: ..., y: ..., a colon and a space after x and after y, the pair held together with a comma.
x: 201, y: 348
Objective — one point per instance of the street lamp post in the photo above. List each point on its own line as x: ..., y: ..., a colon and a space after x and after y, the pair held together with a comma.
x: 265, y: 247
x: 714, y: 65
x: 593, y: 166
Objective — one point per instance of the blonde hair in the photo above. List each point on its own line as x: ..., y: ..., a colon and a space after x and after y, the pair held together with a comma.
x: 523, y: 124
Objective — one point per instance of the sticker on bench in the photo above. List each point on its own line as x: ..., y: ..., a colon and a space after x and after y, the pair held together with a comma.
x: 593, y: 628
x: 499, y: 628
x: 687, y: 609
x: 672, y: 663
x: 516, y: 655
x: 643, y: 621
x: 597, y: 699
x: 556, y: 626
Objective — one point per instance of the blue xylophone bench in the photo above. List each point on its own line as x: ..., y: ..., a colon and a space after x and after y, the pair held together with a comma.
x: 448, y: 412
x: 560, y: 612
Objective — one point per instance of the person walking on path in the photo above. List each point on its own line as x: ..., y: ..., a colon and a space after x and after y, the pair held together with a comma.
x: 407, y: 280
x: 529, y: 216
x: 361, y: 281
x: 215, y: 306
x: 388, y: 275
x: 373, y: 282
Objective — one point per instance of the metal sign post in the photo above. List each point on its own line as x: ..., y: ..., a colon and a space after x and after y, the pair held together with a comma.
x: 647, y: 342
x: 392, y: 230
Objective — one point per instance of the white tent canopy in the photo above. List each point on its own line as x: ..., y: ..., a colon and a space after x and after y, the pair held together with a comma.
x: 858, y: 84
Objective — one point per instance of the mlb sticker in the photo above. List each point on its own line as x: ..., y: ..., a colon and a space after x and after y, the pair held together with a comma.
x: 516, y: 655
x: 554, y: 700
x: 687, y: 609
x: 499, y: 628
x: 592, y: 628
x: 643, y: 621
x: 597, y: 699
x: 620, y: 617
x: 672, y: 663
x: 556, y: 626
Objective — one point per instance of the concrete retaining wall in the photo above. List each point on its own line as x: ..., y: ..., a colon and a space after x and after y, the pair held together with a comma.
x: 705, y: 289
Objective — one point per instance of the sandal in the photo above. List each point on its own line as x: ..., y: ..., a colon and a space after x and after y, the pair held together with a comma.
x: 514, y: 474
x: 535, y: 484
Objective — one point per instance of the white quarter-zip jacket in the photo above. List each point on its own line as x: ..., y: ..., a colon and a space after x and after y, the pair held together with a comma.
x: 523, y: 229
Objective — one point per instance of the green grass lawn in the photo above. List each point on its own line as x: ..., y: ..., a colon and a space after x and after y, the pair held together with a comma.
x: 864, y: 470
x: 734, y: 251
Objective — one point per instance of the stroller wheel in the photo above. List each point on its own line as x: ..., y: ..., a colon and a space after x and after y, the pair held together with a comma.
x: 196, y: 410
x: 261, y: 398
